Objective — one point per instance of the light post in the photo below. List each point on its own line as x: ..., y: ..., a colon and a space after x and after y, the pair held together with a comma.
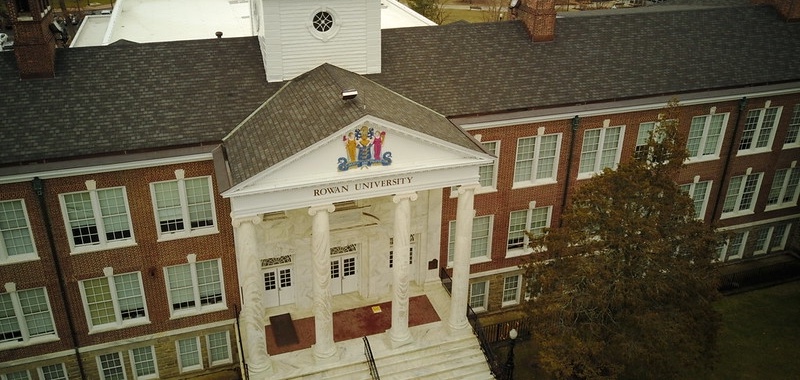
x: 509, y: 370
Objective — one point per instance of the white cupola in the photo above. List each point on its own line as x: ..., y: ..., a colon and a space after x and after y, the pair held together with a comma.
x: 297, y: 36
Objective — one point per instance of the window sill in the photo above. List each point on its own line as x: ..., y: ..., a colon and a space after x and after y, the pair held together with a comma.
x: 790, y: 146
x: 518, y: 252
x: 185, y: 235
x: 750, y: 152
x: 102, y: 247
x: 197, y: 311
x: 118, y: 326
x: 780, y: 206
x: 736, y: 214
x: 30, y: 342
x: 510, y: 303
x: 19, y: 259
x: 694, y: 160
x: 527, y: 184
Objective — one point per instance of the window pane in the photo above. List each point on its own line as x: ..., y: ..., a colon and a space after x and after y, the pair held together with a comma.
x: 610, y: 145
x: 188, y: 352
x: 144, y: 363
x: 480, y: 237
x: 477, y: 292
x: 749, y: 191
x: 510, y: 287
x: 9, y: 325
x: 181, y: 287
x: 539, y: 220
x: 54, y: 372
x: 115, y: 213
x: 218, y: 347
x: 695, y: 135
x: 198, y: 196
x: 547, y: 156
x: 111, y: 367
x: 168, y: 206
x: 591, y: 142
x: 794, y: 127
x: 208, y: 281
x: 129, y: 295
x: 486, y: 172
x: 99, y: 301
x: 19, y: 375
x: 36, y: 312
x: 714, y: 131
x: 526, y: 149
x: 518, y: 221
x: 766, y: 127
x: 81, y: 218
x: 732, y: 194
x: 14, y: 228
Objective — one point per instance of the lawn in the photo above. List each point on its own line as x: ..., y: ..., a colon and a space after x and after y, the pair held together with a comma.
x: 758, y: 339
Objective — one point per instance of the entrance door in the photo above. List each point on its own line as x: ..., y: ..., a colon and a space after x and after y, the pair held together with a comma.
x: 278, y: 286
x: 344, y: 274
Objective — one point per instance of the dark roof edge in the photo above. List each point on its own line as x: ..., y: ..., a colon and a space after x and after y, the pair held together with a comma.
x: 621, y: 105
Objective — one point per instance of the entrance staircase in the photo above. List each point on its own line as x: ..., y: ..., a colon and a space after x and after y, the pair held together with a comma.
x: 435, y: 353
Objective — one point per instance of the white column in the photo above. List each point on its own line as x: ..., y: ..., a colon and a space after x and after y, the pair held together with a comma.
x: 321, y: 251
x: 399, y: 332
x: 463, y: 245
x: 252, y: 317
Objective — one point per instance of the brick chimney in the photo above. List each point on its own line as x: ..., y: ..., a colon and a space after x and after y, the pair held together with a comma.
x: 34, y: 42
x: 539, y: 17
x: 788, y: 9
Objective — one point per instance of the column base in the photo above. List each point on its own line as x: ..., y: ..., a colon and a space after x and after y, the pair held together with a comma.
x: 326, y: 356
x: 401, y: 340
x: 458, y: 325
x: 258, y: 371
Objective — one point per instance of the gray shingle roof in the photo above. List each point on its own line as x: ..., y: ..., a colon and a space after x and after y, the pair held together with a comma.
x: 470, y: 69
x: 149, y: 96
x: 129, y: 98
x: 310, y: 108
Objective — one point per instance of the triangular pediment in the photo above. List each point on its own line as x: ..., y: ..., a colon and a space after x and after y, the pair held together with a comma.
x: 367, y: 149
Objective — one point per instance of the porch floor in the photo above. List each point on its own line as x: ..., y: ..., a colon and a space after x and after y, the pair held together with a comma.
x: 355, y: 323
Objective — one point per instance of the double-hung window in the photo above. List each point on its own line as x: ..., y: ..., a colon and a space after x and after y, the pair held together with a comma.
x: 481, y: 239
x: 699, y: 191
x: 16, y: 375
x: 184, y: 207
x: 487, y: 174
x: 97, y: 219
x: 511, y: 290
x: 533, y: 220
x: 742, y: 194
x: 25, y: 317
x: 114, y: 301
x: 219, y: 348
x: 734, y: 247
x: 195, y: 287
x: 189, y: 358
x: 53, y: 372
x: 16, y: 239
x: 601, y: 149
x: 785, y: 189
x: 705, y: 136
x: 111, y: 366
x: 772, y: 238
x: 759, y: 130
x: 792, y: 139
x: 478, y: 295
x: 537, y: 160
x: 143, y: 363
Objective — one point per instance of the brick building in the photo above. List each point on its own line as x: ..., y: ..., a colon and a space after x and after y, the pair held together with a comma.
x: 274, y: 148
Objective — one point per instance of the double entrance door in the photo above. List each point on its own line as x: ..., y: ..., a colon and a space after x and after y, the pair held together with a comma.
x: 344, y: 274
x: 279, y: 280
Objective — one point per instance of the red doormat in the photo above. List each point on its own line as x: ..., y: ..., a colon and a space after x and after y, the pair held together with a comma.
x: 354, y: 323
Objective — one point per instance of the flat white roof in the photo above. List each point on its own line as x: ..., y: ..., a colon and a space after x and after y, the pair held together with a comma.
x: 145, y: 21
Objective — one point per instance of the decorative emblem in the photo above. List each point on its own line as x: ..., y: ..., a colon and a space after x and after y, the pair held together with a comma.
x: 364, y: 148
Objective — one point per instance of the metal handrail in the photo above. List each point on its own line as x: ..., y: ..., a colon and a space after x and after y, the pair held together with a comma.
x: 373, y: 369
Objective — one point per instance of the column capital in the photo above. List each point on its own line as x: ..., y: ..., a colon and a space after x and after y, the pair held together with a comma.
x: 468, y: 187
x: 236, y: 222
x: 400, y: 197
x: 313, y: 210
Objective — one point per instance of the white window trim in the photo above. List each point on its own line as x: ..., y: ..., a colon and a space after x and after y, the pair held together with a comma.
x: 198, y: 307
x: 40, y: 371
x: 133, y: 364
x: 526, y: 249
x: 599, y: 154
x: 751, y: 209
x: 702, y: 212
x: 327, y: 35
x: 515, y: 301
x: 483, y: 308
x: 187, y: 231
x: 495, y: 168
x: 793, y: 122
x: 27, y: 340
x: 536, y: 156
x: 33, y: 256
x: 211, y: 361
x: 196, y: 367
x: 108, y: 274
x: 3, y: 376
x: 759, y: 127
x: 98, y: 219
x: 785, y: 187
x: 473, y: 260
x: 707, y: 124
x: 728, y: 256
x: 121, y: 358
x: 771, y: 235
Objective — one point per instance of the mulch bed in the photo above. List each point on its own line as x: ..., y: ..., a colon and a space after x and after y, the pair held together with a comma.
x: 352, y: 324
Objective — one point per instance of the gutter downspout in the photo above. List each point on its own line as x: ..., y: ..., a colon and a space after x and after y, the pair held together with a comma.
x: 726, y: 166
x: 38, y: 188
x: 575, y: 124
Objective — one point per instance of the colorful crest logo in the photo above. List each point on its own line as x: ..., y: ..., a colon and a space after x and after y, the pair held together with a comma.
x: 364, y: 147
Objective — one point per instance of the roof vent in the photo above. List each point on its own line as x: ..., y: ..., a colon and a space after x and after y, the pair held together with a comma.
x: 349, y: 94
